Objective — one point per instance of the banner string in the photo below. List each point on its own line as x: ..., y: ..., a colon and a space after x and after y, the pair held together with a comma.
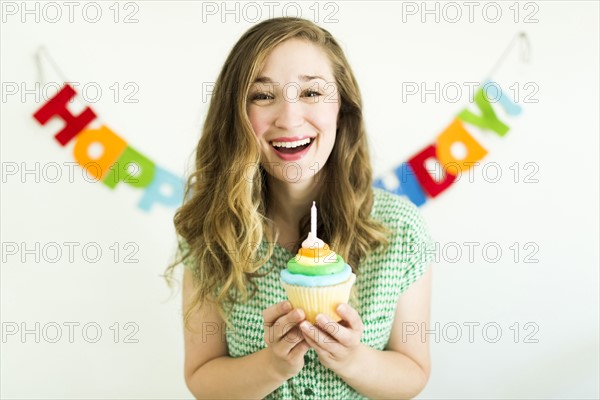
x: 521, y: 38
x: 43, y: 52
x: 524, y: 52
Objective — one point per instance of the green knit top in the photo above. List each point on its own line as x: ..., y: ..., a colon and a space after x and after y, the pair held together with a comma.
x: 382, y: 277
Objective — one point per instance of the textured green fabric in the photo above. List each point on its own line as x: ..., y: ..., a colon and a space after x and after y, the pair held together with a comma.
x: 382, y: 277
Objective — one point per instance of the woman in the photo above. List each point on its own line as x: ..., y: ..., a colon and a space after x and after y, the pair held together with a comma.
x: 284, y: 128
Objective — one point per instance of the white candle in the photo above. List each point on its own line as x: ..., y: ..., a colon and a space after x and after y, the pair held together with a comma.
x: 312, y: 241
x: 313, y: 220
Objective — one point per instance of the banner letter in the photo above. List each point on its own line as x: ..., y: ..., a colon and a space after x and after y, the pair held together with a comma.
x: 407, y: 185
x: 142, y: 170
x: 112, y: 148
x: 487, y: 119
x: 456, y: 133
x: 431, y: 186
x: 58, y: 106
x: 155, y: 193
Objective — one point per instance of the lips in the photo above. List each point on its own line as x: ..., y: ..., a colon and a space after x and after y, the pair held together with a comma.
x: 291, y: 149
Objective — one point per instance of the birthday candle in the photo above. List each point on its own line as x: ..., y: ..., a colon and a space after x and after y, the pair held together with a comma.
x: 313, y: 220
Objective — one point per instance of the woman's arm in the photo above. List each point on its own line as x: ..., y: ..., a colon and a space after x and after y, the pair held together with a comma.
x: 402, y: 369
x: 211, y: 373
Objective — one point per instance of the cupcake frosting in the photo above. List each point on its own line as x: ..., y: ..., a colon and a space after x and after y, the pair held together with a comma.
x: 316, y: 265
x: 316, y: 280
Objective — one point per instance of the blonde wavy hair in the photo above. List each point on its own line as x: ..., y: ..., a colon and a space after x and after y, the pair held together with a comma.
x: 223, y: 218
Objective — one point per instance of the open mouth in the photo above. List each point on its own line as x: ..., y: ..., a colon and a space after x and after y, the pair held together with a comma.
x: 292, y: 147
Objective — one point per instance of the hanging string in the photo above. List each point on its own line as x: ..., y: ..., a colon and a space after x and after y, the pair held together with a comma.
x: 38, y: 65
x: 521, y: 38
x: 43, y: 52
x: 524, y: 52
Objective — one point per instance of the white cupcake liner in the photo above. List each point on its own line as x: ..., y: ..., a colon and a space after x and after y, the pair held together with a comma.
x: 319, y: 299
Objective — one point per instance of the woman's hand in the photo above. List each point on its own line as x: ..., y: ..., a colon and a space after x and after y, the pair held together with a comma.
x: 336, y: 344
x: 285, y: 344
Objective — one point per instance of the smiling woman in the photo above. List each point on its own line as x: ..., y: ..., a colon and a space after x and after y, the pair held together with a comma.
x: 293, y: 114
x: 295, y: 107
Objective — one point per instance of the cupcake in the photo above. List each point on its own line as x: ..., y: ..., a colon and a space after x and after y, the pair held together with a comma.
x: 317, y: 279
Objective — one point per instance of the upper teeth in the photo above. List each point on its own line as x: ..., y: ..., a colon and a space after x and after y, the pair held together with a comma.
x: 292, y: 144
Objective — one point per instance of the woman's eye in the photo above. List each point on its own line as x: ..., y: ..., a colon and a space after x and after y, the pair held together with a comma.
x: 311, y: 93
x: 261, y: 96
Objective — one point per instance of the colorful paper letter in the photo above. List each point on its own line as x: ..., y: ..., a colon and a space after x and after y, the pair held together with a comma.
x: 409, y: 186
x: 431, y: 186
x: 140, y: 177
x: 153, y: 193
x: 113, y: 147
x: 487, y: 119
x: 456, y: 132
x: 58, y: 106
x: 506, y: 102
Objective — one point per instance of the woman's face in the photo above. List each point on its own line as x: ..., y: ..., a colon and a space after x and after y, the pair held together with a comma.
x: 293, y: 107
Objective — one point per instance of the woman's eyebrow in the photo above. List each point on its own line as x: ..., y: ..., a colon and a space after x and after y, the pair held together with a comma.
x: 303, y: 78
x: 263, y: 79
x: 306, y: 78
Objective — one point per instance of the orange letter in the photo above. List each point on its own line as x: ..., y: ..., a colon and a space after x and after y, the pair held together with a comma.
x: 112, y: 148
x: 456, y: 133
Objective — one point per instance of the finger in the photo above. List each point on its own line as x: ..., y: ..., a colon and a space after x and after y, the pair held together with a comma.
x: 285, y: 323
x: 322, y: 338
x: 293, y: 337
x: 335, y: 332
x: 274, y: 312
x: 350, y: 327
x: 299, y: 350
x: 311, y: 336
x: 351, y: 316
x: 288, y: 342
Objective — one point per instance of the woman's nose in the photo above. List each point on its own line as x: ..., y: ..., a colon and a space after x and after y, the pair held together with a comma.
x: 289, y: 113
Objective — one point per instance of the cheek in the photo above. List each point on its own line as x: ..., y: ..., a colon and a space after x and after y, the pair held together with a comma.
x: 257, y: 121
x: 325, y: 117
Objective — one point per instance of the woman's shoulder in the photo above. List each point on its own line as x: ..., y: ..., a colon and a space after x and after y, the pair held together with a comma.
x: 184, y: 255
x: 393, y: 210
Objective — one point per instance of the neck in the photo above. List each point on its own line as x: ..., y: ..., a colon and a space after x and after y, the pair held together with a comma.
x: 290, y: 201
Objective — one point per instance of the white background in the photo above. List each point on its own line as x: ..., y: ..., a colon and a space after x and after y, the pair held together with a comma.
x: 170, y: 52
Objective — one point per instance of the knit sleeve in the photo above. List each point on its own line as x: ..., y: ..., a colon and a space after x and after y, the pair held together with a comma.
x: 419, y: 248
x: 411, y: 248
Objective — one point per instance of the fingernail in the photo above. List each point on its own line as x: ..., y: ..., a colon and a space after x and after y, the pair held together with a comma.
x: 304, y: 326
x: 322, y: 319
x: 342, y: 308
x: 287, y: 306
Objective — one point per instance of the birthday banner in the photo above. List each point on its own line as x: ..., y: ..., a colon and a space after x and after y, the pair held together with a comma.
x: 119, y: 162
x: 415, y: 180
